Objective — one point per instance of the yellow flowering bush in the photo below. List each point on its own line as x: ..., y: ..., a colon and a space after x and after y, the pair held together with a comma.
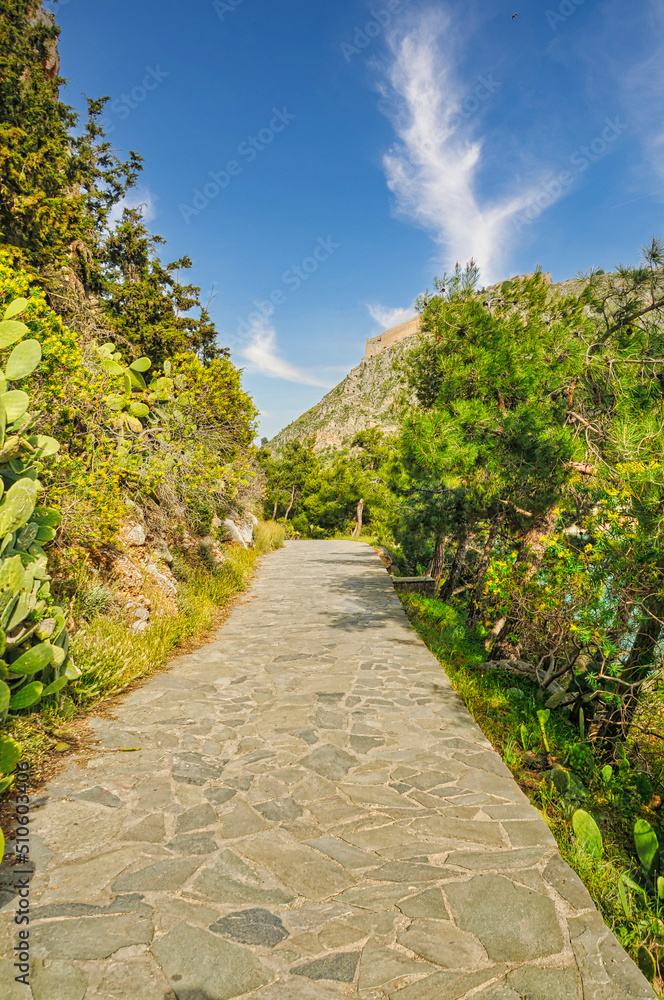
x: 186, y: 450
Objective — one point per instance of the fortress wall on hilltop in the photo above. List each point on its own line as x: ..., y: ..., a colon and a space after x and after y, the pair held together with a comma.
x: 377, y: 344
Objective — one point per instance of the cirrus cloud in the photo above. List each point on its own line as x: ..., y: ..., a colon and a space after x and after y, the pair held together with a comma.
x: 433, y: 166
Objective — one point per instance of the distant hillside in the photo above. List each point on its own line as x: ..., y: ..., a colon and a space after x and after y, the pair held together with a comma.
x: 367, y: 397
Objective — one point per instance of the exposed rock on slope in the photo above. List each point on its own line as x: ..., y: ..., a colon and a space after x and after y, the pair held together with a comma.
x: 367, y: 397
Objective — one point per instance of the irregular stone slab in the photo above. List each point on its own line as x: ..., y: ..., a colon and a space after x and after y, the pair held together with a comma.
x: 607, y: 972
x: 280, y: 810
x: 441, y: 942
x: 402, y: 871
x: 450, y: 985
x: 301, y: 989
x: 240, y: 821
x: 488, y: 833
x: 150, y: 830
x: 492, y: 860
x: 91, y: 938
x: 565, y: 881
x: 373, y: 897
x: 96, y: 828
x: 84, y: 880
x: 135, y: 979
x: 543, y: 984
x: 194, y: 769
x: 131, y: 903
x: 528, y: 833
x: 425, y: 904
x: 54, y: 978
x: 340, y: 967
x: 192, y: 843
x: 200, y: 965
x: 298, y: 867
x: 345, y: 854
x: 164, y: 876
x: 258, y: 927
x: 329, y: 761
x: 513, y: 923
x: 218, y: 796
x: 196, y: 819
x: 380, y: 965
x: 336, y: 935
x: 232, y: 882
x: 102, y: 796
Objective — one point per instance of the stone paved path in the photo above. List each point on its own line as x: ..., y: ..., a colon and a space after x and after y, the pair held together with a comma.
x: 312, y: 815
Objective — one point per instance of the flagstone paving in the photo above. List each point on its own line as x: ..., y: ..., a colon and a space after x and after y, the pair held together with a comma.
x: 312, y: 815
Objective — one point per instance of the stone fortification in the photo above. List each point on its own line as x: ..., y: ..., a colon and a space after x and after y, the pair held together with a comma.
x: 390, y: 337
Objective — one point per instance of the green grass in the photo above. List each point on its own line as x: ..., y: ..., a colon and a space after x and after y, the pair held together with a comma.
x: 505, y: 707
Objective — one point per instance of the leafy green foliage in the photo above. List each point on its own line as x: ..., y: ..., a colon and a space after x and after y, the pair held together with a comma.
x: 320, y: 498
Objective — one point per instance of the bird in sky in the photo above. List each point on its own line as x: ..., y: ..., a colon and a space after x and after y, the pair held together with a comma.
x: 514, y: 15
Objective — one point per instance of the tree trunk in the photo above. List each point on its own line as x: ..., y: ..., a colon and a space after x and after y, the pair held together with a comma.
x: 458, y: 563
x: 476, y: 593
x: 357, y: 530
x: 534, y: 542
x: 616, y: 722
x: 437, y: 567
x: 274, y: 512
x: 290, y: 505
x: 531, y: 553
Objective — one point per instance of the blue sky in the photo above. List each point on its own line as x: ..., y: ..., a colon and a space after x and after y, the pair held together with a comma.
x: 322, y: 162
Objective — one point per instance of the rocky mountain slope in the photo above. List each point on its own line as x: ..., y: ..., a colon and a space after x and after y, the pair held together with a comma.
x: 367, y: 397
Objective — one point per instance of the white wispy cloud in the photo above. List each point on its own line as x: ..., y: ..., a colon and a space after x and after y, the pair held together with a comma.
x: 262, y: 353
x: 138, y: 197
x: 433, y: 167
x: 387, y: 317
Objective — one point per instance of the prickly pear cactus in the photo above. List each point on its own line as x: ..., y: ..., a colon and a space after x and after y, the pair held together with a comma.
x: 588, y: 834
x: 34, y: 660
x: 647, y: 846
x: 646, y: 963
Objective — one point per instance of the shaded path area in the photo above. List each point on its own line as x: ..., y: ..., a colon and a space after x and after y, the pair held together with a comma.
x: 312, y: 815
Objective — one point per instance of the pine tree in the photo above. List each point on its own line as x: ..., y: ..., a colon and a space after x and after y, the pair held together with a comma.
x: 56, y: 188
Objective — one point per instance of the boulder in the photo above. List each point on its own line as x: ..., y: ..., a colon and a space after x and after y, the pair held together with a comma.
x: 246, y: 529
x: 167, y: 583
x: 233, y: 534
x: 132, y: 534
x: 214, y: 549
x: 161, y: 551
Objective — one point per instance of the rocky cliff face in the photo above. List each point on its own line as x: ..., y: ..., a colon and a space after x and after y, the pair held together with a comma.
x: 369, y: 396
